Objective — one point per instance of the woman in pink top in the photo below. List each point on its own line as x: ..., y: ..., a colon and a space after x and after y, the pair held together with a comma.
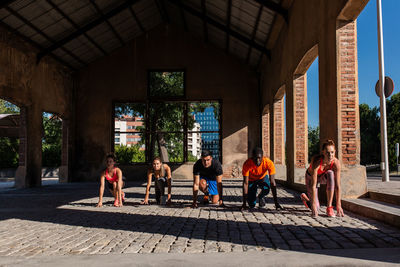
x: 113, y: 177
x: 324, y: 169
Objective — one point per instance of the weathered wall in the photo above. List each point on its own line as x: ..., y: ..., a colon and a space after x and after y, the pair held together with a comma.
x: 34, y: 88
x: 210, y: 74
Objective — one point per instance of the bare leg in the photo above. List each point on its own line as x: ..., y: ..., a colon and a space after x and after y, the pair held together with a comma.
x: 309, y: 189
x: 330, y: 186
x: 203, y: 186
x: 214, y: 199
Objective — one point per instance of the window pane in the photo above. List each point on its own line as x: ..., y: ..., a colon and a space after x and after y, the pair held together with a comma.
x: 169, y: 146
x: 129, y: 117
x: 130, y: 148
x: 167, y: 117
x: 166, y: 84
x: 203, y: 116
x: 194, y: 146
x: 210, y: 141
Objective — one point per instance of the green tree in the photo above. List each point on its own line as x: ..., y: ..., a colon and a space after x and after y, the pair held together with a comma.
x: 8, y: 108
x: 8, y: 146
x: 51, y: 142
x: 369, y: 132
x: 393, y: 127
x: 166, y: 119
x: 313, y: 141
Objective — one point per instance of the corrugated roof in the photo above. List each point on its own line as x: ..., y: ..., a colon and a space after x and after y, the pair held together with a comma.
x: 56, y: 25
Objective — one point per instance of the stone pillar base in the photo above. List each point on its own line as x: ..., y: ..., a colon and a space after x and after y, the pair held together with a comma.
x: 353, y: 181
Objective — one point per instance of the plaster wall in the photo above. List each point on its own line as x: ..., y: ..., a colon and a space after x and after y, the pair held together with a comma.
x: 211, y: 74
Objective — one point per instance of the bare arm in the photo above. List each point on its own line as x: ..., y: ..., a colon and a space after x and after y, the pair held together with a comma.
x: 101, y: 191
x: 196, y: 181
x: 219, y: 187
x: 338, y: 189
x: 119, y: 189
x: 314, y: 188
x: 273, y: 189
x: 245, y: 190
x: 146, y: 197
x: 169, y: 182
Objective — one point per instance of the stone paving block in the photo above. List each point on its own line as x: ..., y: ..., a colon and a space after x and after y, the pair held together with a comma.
x: 77, y: 227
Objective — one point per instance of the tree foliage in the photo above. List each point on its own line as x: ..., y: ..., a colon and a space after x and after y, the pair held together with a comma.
x: 165, y: 119
x: 313, y: 141
x: 8, y: 146
x: 51, y: 142
x: 369, y: 132
x: 393, y: 127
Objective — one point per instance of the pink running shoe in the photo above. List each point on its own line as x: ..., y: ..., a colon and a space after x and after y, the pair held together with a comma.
x: 306, y: 200
x: 329, y: 212
x: 116, y: 203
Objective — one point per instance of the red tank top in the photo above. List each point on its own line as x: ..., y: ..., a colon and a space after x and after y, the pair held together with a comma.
x: 114, y: 178
x: 321, y: 170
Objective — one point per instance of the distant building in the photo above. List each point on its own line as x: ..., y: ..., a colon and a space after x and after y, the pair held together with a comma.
x: 126, y: 130
x: 194, y: 141
x: 208, y: 122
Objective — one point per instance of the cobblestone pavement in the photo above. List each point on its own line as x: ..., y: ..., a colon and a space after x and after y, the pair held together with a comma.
x: 63, y: 220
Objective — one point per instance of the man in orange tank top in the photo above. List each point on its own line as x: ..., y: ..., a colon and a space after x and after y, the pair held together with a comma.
x: 258, y: 172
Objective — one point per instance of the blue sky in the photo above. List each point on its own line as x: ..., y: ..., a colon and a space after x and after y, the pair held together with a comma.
x: 368, y: 65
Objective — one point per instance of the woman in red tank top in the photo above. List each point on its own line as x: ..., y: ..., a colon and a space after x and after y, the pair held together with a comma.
x: 324, y: 169
x: 112, y: 176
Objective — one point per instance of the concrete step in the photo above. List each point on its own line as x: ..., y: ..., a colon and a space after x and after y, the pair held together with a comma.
x: 384, y: 197
x: 374, y: 209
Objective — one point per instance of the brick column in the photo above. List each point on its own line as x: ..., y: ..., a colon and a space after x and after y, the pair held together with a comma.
x: 301, y: 135
x: 265, y: 132
x: 349, y: 111
x: 279, y: 132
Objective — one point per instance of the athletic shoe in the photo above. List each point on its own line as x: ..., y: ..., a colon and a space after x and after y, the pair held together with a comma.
x: 261, y: 202
x: 116, y: 203
x: 206, y: 201
x: 329, y: 212
x: 306, y: 200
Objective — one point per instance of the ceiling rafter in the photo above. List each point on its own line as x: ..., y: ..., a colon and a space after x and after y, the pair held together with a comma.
x: 24, y: 20
x: 163, y: 11
x: 86, y: 28
x: 228, y: 24
x: 253, y: 34
x: 183, y: 17
x: 100, y: 12
x: 6, y: 3
x: 204, y: 13
x: 276, y: 8
x: 222, y: 27
x: 50, y: 2
x: 34, y: 44
x: 137, y: 20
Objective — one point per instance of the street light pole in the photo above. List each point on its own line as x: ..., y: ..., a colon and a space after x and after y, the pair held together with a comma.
x: 384, y: 145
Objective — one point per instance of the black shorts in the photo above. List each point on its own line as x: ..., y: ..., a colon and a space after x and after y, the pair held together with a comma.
x: 110, y: 185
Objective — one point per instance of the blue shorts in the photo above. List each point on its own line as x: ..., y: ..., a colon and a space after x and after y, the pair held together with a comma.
x: 212, y: 185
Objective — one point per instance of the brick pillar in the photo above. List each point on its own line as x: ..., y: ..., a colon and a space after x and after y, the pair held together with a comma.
x: 349, y: 112
x: 29, y: 172
x: 265, y: 133
x: 279, y: 132
x: 338, y: 102
x: 301, y: 135
x: 290, y: 131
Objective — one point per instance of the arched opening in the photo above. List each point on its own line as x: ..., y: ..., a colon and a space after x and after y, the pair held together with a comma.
x: 9, y: 143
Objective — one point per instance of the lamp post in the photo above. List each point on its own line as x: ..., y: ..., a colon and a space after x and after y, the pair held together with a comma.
x: 384, y: 146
